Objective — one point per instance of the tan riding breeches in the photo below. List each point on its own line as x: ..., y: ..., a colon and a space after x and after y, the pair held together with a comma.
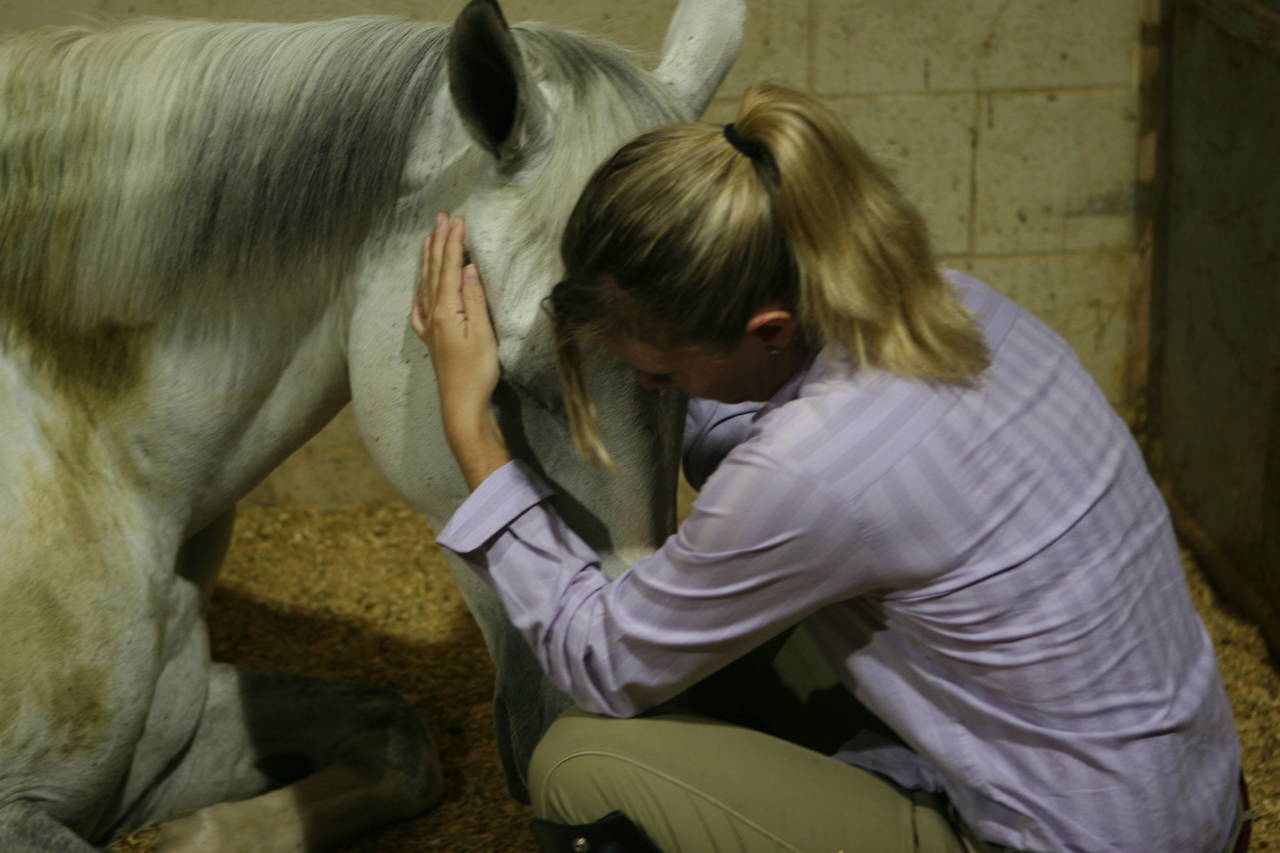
x: 697, y: 785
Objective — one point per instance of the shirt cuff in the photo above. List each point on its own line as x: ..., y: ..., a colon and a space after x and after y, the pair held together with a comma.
x: 503, y: 497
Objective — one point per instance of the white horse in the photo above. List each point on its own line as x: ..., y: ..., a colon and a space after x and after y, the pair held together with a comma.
x: 210, y: 237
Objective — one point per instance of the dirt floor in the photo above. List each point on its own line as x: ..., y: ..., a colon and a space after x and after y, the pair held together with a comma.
x: 362, y: 594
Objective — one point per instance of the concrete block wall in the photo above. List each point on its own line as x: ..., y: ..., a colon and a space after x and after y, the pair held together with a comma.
x: 1013, y: 124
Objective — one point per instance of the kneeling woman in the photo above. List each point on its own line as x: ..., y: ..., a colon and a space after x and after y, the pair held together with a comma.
x: 903, y: 461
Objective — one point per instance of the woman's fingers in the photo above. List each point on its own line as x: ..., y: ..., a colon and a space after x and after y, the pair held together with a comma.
x: 438, y: 235
x: 474, y: 301
x: 424, y: 296
x: 438, y: 293
x: 417, y: 313
x: 450, y: 299
x: 449, y: 283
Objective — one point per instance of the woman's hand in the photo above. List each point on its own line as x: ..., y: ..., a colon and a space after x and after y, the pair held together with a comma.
x: 451, y: 317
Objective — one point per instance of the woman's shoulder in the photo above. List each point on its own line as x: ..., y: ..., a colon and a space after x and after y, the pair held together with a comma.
x: 846, y: 427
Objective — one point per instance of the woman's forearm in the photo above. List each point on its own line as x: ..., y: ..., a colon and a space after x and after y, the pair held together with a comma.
x: 477, y: 444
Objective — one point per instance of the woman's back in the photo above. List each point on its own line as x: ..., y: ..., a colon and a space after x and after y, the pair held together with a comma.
x: 1020, y: 616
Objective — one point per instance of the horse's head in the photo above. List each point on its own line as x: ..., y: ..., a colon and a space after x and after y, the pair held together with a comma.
x: 529, y: 112
x: 547, y: 107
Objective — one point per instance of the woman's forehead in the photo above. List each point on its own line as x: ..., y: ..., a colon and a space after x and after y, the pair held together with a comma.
x: 649, y: 358
x: 634, y: 352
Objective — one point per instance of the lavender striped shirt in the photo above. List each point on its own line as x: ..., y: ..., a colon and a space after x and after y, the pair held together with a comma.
x: 991, y: 571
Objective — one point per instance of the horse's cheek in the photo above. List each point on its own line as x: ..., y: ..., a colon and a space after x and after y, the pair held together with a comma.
x: 396, y: 406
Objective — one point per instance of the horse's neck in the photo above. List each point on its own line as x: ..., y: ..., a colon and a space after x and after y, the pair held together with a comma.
x: 237, y: 404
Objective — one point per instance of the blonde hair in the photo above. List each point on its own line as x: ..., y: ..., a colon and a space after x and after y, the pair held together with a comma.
x: 680, y: 237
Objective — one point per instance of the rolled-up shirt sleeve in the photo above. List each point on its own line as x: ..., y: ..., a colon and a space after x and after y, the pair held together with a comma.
x: 503, y: 497
x: 737, y: 573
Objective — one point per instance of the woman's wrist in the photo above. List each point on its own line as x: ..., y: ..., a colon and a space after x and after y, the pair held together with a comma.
x: 477, y: 444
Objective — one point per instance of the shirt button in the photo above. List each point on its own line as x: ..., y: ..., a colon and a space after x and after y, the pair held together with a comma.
x: 581, y: 845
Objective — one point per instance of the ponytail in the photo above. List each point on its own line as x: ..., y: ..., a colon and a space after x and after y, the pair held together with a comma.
x: 867, y: 278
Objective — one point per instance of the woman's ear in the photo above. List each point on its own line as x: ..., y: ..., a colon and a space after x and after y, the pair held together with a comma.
x: 772, y: 327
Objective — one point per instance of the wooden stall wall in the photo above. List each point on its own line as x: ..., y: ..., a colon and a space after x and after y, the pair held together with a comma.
x: 1215, y: 377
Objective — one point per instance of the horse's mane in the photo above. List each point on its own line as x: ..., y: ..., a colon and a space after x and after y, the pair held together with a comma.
x: 141, y: 160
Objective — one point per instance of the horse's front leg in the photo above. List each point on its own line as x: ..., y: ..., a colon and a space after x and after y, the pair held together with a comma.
x: 525, y: 701
x: 318, y: 764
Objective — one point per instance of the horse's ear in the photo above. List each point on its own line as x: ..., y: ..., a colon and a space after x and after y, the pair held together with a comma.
x: 701, y: 45
x: 487, y: 80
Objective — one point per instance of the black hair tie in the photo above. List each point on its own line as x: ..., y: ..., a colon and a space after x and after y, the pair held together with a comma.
x: 754, y: 150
